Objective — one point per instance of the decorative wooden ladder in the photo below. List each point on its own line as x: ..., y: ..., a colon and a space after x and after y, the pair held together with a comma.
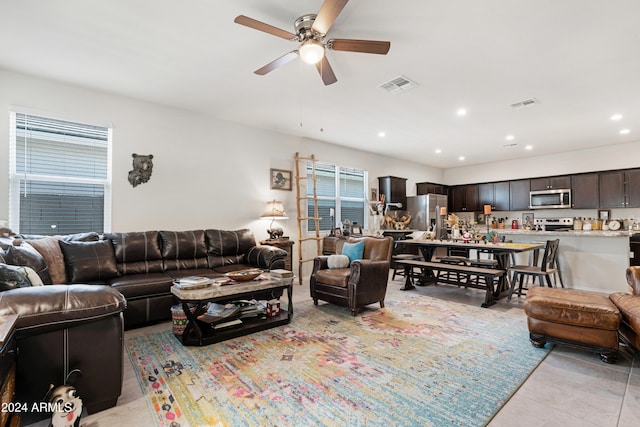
x: 302, y: 198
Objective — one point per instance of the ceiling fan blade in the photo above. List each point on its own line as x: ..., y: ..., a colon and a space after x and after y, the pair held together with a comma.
x: 277, y: 63
x: 364, y: 46
x: 261, y: 26
x: 326, y: 72
x: 328, y: 13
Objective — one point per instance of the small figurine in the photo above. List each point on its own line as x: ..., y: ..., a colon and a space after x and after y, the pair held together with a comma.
x: 68, y: 406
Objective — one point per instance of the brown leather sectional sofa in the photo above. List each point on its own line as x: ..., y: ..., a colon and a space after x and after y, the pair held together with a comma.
x: 95, y: 287
x: 142, y: 265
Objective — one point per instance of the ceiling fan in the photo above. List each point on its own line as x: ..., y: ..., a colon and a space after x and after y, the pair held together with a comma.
x: 311, y: 31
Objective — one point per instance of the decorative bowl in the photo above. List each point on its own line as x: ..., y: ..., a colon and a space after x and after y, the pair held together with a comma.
x: 244, y: 275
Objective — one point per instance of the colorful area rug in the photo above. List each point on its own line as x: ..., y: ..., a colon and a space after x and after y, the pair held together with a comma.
x: 418, y: 362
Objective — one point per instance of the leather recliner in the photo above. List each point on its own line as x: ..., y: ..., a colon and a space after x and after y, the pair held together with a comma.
x: 364, y: 282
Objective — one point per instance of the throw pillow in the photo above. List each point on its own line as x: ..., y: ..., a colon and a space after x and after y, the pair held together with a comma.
x: 50, y: 251
x: 338, y: 261
x: 28, y: 256
x: 11, y: 277
x: 353, y: 250
x: 89, y: 261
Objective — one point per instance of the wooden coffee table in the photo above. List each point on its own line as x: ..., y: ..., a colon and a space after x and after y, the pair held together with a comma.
x: 201, y: 333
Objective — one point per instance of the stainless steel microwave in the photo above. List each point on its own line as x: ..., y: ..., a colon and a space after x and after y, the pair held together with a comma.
x: 550, y: 199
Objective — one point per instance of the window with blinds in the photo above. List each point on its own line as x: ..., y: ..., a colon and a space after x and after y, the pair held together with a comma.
x: 60, y: 179
x: 340, y: 189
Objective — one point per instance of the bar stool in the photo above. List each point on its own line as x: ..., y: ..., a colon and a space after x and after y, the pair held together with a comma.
x: 546, y: 270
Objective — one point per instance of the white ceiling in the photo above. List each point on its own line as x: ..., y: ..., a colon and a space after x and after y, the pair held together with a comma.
x: 579, y: 58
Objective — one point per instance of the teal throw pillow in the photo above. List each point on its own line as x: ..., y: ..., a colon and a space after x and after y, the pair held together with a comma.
x: 353, y: 250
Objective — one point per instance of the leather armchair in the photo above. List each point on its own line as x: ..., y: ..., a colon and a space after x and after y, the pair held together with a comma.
x: 629, y: 306
x: 364, y: 282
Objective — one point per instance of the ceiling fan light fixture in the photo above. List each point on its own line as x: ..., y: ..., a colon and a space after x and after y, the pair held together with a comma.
x: 311, y: 51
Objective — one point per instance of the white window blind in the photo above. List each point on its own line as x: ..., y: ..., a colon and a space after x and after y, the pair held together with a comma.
x: 60, y: 179
x: 338, y: 188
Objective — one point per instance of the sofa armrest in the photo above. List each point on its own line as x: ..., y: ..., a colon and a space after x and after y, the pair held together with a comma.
x: 45, y: 308
x: 320, y: 263
x: 266, y: 257
x: 629, y: 306
x: 366, y: 271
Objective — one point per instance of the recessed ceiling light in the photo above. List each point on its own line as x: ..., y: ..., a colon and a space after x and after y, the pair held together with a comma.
x: 624, y: 131
x: 438, y: 150
x: 461, y: 112
x: 528, y: 147
x: 382, y: 134
x: 461, y: 158
x: 509, y: 137
x: 616, y: 117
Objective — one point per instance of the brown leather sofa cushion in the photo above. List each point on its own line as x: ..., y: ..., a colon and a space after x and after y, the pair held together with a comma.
x: 140, y: 285
x: 57, y: 306
x: 27, y: 255
x: 89, y: 261
x: 228, y: 247
x: 572, y: 307
x: 137, y: 252
x: 184, y: 250
x: 334, y: 276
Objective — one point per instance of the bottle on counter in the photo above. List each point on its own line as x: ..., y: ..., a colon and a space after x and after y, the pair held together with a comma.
x: 577, y: 223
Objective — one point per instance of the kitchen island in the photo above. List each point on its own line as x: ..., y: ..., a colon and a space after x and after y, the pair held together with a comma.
x: 589, y: 260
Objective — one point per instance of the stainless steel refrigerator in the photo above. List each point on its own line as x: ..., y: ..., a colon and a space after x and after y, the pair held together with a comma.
x: 424, y: 210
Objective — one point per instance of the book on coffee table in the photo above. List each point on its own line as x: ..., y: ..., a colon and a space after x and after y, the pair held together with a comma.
x: 217, y: 313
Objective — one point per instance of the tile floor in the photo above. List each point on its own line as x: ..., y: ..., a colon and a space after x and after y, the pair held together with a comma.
x: 569, y: 388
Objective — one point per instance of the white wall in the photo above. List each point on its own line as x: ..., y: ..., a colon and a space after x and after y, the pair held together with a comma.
x: 607, y: 157
x: 207, y: 173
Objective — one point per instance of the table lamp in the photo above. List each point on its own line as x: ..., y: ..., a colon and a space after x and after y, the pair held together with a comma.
x: 274, y: 211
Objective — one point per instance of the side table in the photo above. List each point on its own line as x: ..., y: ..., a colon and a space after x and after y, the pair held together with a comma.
x: 286, y: 245
x: 8, y: 370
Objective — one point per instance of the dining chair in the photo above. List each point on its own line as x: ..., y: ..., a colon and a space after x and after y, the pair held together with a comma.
x: 548, y: 268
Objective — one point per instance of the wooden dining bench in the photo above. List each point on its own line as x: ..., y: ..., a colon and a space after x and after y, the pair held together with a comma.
x: 488, y: 274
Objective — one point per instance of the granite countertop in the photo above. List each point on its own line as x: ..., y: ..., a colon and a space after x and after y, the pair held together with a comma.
x: 578, y: 233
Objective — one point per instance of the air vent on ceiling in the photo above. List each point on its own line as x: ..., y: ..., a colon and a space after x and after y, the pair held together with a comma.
x: 524, y: 103
x: 398, y: 85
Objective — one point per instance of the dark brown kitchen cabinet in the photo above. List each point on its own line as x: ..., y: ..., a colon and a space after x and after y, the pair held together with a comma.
x: 430, y: 188
x: 495, y: 194
x: 633, y: 188
x: 584, y: 191
x: 612, y: 193
x: 394, y: 190
x: 463, y: 198
x: 519, y: 194
x: 550, y: 183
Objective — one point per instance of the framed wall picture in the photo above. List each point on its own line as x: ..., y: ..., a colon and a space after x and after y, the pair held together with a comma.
x: 337, y: 232
x: 280, y: 179
x: 604, y: 214
x: 374, y: 195
x: 356, y: 229
x: 527, y: 218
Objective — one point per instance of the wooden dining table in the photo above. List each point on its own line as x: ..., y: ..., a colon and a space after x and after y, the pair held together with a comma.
x: 501, y: 253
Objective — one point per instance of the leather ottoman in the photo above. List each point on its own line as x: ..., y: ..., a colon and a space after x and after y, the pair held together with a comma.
x: 574, y: 317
